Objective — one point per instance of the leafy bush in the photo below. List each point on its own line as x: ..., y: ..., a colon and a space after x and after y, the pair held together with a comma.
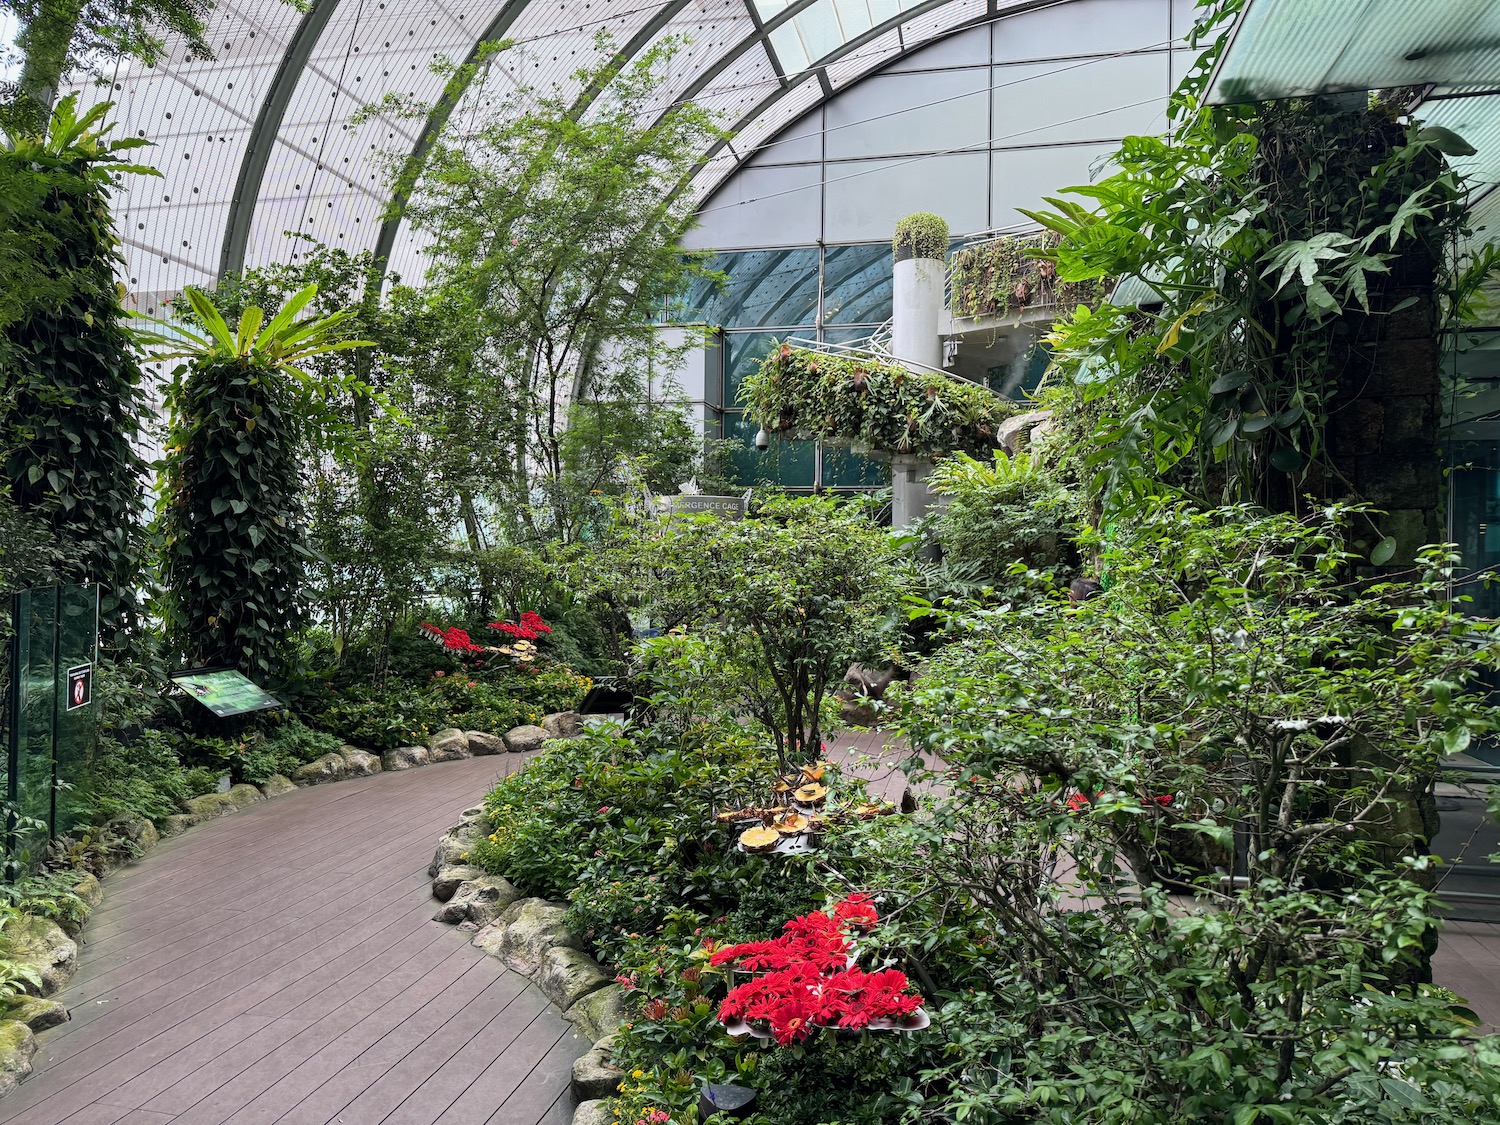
x: 803, y: 393
x: 1008, y: 511
x: 1234, y: 683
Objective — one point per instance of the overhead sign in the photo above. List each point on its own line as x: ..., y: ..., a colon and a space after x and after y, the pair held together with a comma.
x: 80, y: 686
x: 224, y: 691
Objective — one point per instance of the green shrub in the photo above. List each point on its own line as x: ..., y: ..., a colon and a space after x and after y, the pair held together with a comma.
x: 1007, y: 511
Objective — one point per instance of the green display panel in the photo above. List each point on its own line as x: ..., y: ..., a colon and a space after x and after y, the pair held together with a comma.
x: 53, y: 715
x: 224, y: 691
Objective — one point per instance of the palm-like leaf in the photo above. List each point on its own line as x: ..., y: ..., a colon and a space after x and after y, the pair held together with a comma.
x: 283, y: 341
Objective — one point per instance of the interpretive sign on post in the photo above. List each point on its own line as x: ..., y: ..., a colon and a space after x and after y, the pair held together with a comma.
x: 224, y: 691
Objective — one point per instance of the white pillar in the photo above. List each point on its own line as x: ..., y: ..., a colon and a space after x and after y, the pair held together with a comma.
x: 917, y: 303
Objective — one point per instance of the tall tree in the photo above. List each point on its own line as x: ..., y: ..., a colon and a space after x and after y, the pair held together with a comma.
x: 557, y: 227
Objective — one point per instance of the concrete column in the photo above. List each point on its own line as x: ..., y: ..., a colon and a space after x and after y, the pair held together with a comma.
x: 917, y: 304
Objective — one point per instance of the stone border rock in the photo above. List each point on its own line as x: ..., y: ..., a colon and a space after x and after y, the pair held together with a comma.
x: 44, y: 945
x: 530, y: 937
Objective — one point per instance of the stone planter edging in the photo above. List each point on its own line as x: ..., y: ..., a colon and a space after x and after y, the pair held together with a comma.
x: 530, y: 936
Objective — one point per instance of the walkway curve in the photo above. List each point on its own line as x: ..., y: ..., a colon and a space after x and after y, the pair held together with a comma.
x: 282, y: 965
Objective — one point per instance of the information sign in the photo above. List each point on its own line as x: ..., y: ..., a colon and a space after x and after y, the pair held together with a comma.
x: 732, y: 507
x: 224, y: 691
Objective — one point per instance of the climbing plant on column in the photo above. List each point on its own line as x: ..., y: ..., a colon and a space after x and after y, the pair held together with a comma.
x: 70, y: 398
x: 230, y: 514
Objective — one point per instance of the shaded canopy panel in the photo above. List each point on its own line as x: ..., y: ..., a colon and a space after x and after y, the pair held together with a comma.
x: 258, y: 152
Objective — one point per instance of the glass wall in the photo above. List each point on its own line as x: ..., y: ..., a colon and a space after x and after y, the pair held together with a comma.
x: 836, y: 294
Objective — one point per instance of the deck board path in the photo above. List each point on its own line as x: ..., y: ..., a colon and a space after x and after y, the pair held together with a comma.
x: 282, y: 965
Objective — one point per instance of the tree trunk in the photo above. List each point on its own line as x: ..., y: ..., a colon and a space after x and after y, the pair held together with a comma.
x: 47, y: 38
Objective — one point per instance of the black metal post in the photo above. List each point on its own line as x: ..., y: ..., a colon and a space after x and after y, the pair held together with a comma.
x: 56, y: 699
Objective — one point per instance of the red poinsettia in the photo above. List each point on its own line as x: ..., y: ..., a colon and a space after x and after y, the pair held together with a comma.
x: 807, y: 980
x: 528, y: 628
x: 453, y: 639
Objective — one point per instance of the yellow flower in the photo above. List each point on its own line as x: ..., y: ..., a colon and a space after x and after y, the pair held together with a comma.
x: 637, y: 1074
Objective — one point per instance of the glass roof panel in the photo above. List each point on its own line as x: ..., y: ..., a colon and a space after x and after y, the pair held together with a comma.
x: 1290, y: 48
x: 865, y: 58
x: 1476, y: 120
x: 324, y: 176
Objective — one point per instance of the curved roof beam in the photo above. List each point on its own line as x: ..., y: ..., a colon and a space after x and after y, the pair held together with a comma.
x: 263, y: 135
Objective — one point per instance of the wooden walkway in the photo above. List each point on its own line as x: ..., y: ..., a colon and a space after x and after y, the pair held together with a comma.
x: 281, y: 965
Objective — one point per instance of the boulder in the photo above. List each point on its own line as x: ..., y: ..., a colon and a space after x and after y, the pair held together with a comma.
x: 17, y: 1045
x: 36, y: 1013
x: 41, y: 943
x: 595, y: 1075
x: 88, y: 889
x: 330, y: 767
x: 1014, y: 434
x: 138, y: 830
x: 404, y: 758
x: 210, y: 806
x: 483, y: 743
x: 277, y: 786
x: 449, y: 745
x: 600, y: 1013
x: 595, y: 1113
x: 491, y: 938
x: 566, y: 976
x: 563, y: 724
x: 452, y: 849
x: 243, y: 796
x: 361, y: 762
x: 176, y: 824
x: 855, y: 710
x: 525, y: 738
x: 532, y: 926
x: 447, y: 881
x: 478, y: 900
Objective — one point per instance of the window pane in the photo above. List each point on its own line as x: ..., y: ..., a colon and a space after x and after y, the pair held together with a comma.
x: 857, y: 284
x: 763, y: 288
x: 788, y: 463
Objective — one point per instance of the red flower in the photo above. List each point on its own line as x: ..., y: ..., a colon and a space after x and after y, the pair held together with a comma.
x: 791, y: 1021
x: 856, y: 913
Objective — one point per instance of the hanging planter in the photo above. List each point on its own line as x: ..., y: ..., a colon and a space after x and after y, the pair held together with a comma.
x: 881, y: 408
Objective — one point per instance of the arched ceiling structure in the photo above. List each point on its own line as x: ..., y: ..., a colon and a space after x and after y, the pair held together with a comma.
x: 258, y: 143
